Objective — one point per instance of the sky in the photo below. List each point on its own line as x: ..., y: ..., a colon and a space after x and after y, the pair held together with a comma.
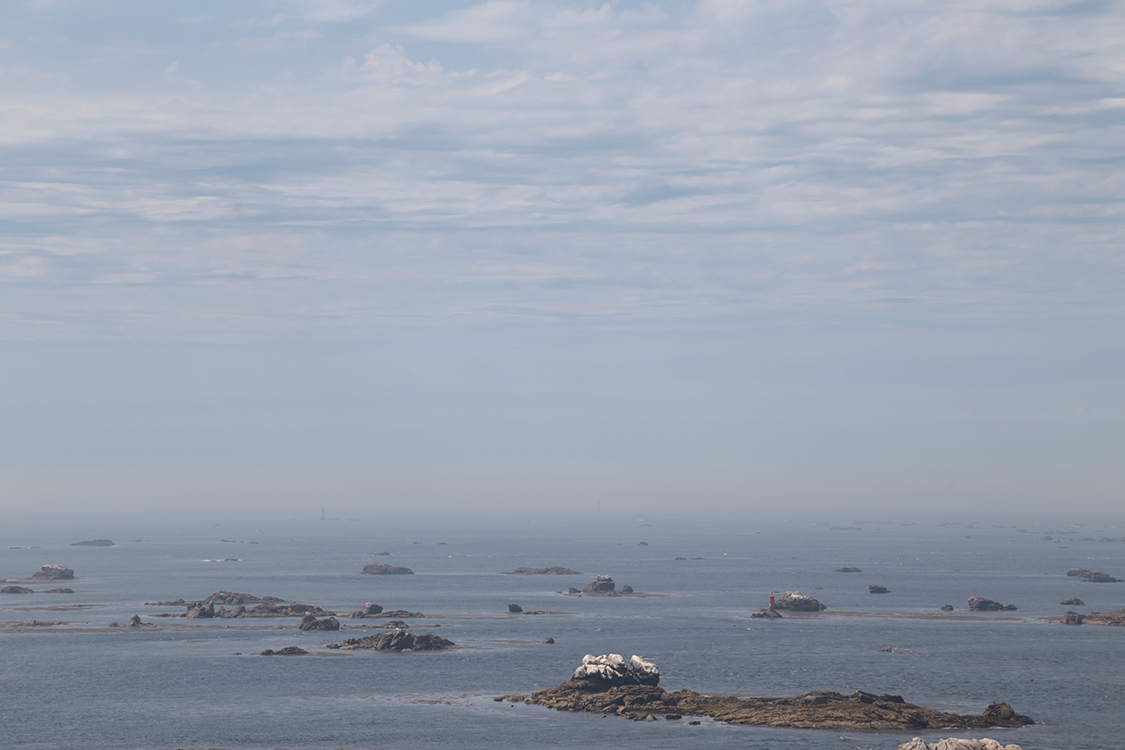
x: 491, y: 257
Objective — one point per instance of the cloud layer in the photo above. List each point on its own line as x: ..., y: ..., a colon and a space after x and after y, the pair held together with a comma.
x: 748, y: 173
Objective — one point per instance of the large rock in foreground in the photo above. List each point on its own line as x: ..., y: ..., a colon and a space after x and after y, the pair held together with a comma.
x: 384, y: 569
x: 624, y: 693
x: 956, y: 743
x: 396, y: 640
x: 54, y: 573
x: 795, y: 601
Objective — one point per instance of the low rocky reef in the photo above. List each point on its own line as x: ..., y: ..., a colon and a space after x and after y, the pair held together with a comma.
x: 16, y: 590
x: 847, y: 569
x: 94, y: 543
x: 554, y: 570
x: 877, y: 589
x: 604, y: 586
x: 287, y: 651
x: 265, y: 606
x: 1092, y: 576
x: 608, y: 685
x: 980, y: 604
x: 1094, y: 618
x: 386, y: 569
x: 399, y: 640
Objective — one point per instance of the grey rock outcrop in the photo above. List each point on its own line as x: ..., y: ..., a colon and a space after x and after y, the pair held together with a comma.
x: 93, y: 543
x: 601, y: 585
x: 515, y: 608
x: 54, y: 573
x: 956, y: 743
x: 396, y: 640
x: 795, y: 601
x: 311, y: 623
x: 877, y: 589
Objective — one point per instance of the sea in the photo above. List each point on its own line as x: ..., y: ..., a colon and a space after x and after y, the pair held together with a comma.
x: 81, y: 684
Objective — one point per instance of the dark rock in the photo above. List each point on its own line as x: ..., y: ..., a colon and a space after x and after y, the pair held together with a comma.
x: 515, y: 608
x: 311, y: 623
x: 573, y: 590
x: 233, y: 598
x: 287, y: 651
x: 396, y: 640
x: 57, y: 591
x: 547, y: 640
x: 115, y: 624
x: 16, y: 590
x: 980, y: 604
x: 199, y: 611
x: 795, y: 601
x: 642, y: 544
x: 847, y: 570
x: 601, y: 586
x: 1073, y: 603
x: 384, y: 569
x: 135, y: 621
x: 382, y: 554
x: 626, y: 589
x: 1072, y: 618
x: 554, y: 570
x: 1094, y: 576
x: 54, y: 573
x: 768, y: 613
x: 877, y: 589
x: 947, y: 608
x: 369, y: 610
x: 94, y: 543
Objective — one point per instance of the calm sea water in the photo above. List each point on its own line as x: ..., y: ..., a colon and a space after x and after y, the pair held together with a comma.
x: 197, y: 684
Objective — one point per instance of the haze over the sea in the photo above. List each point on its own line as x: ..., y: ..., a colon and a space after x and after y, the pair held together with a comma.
x: 435, y: 259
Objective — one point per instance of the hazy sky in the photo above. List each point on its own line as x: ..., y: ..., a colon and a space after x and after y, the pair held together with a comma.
x: 720, y: 254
